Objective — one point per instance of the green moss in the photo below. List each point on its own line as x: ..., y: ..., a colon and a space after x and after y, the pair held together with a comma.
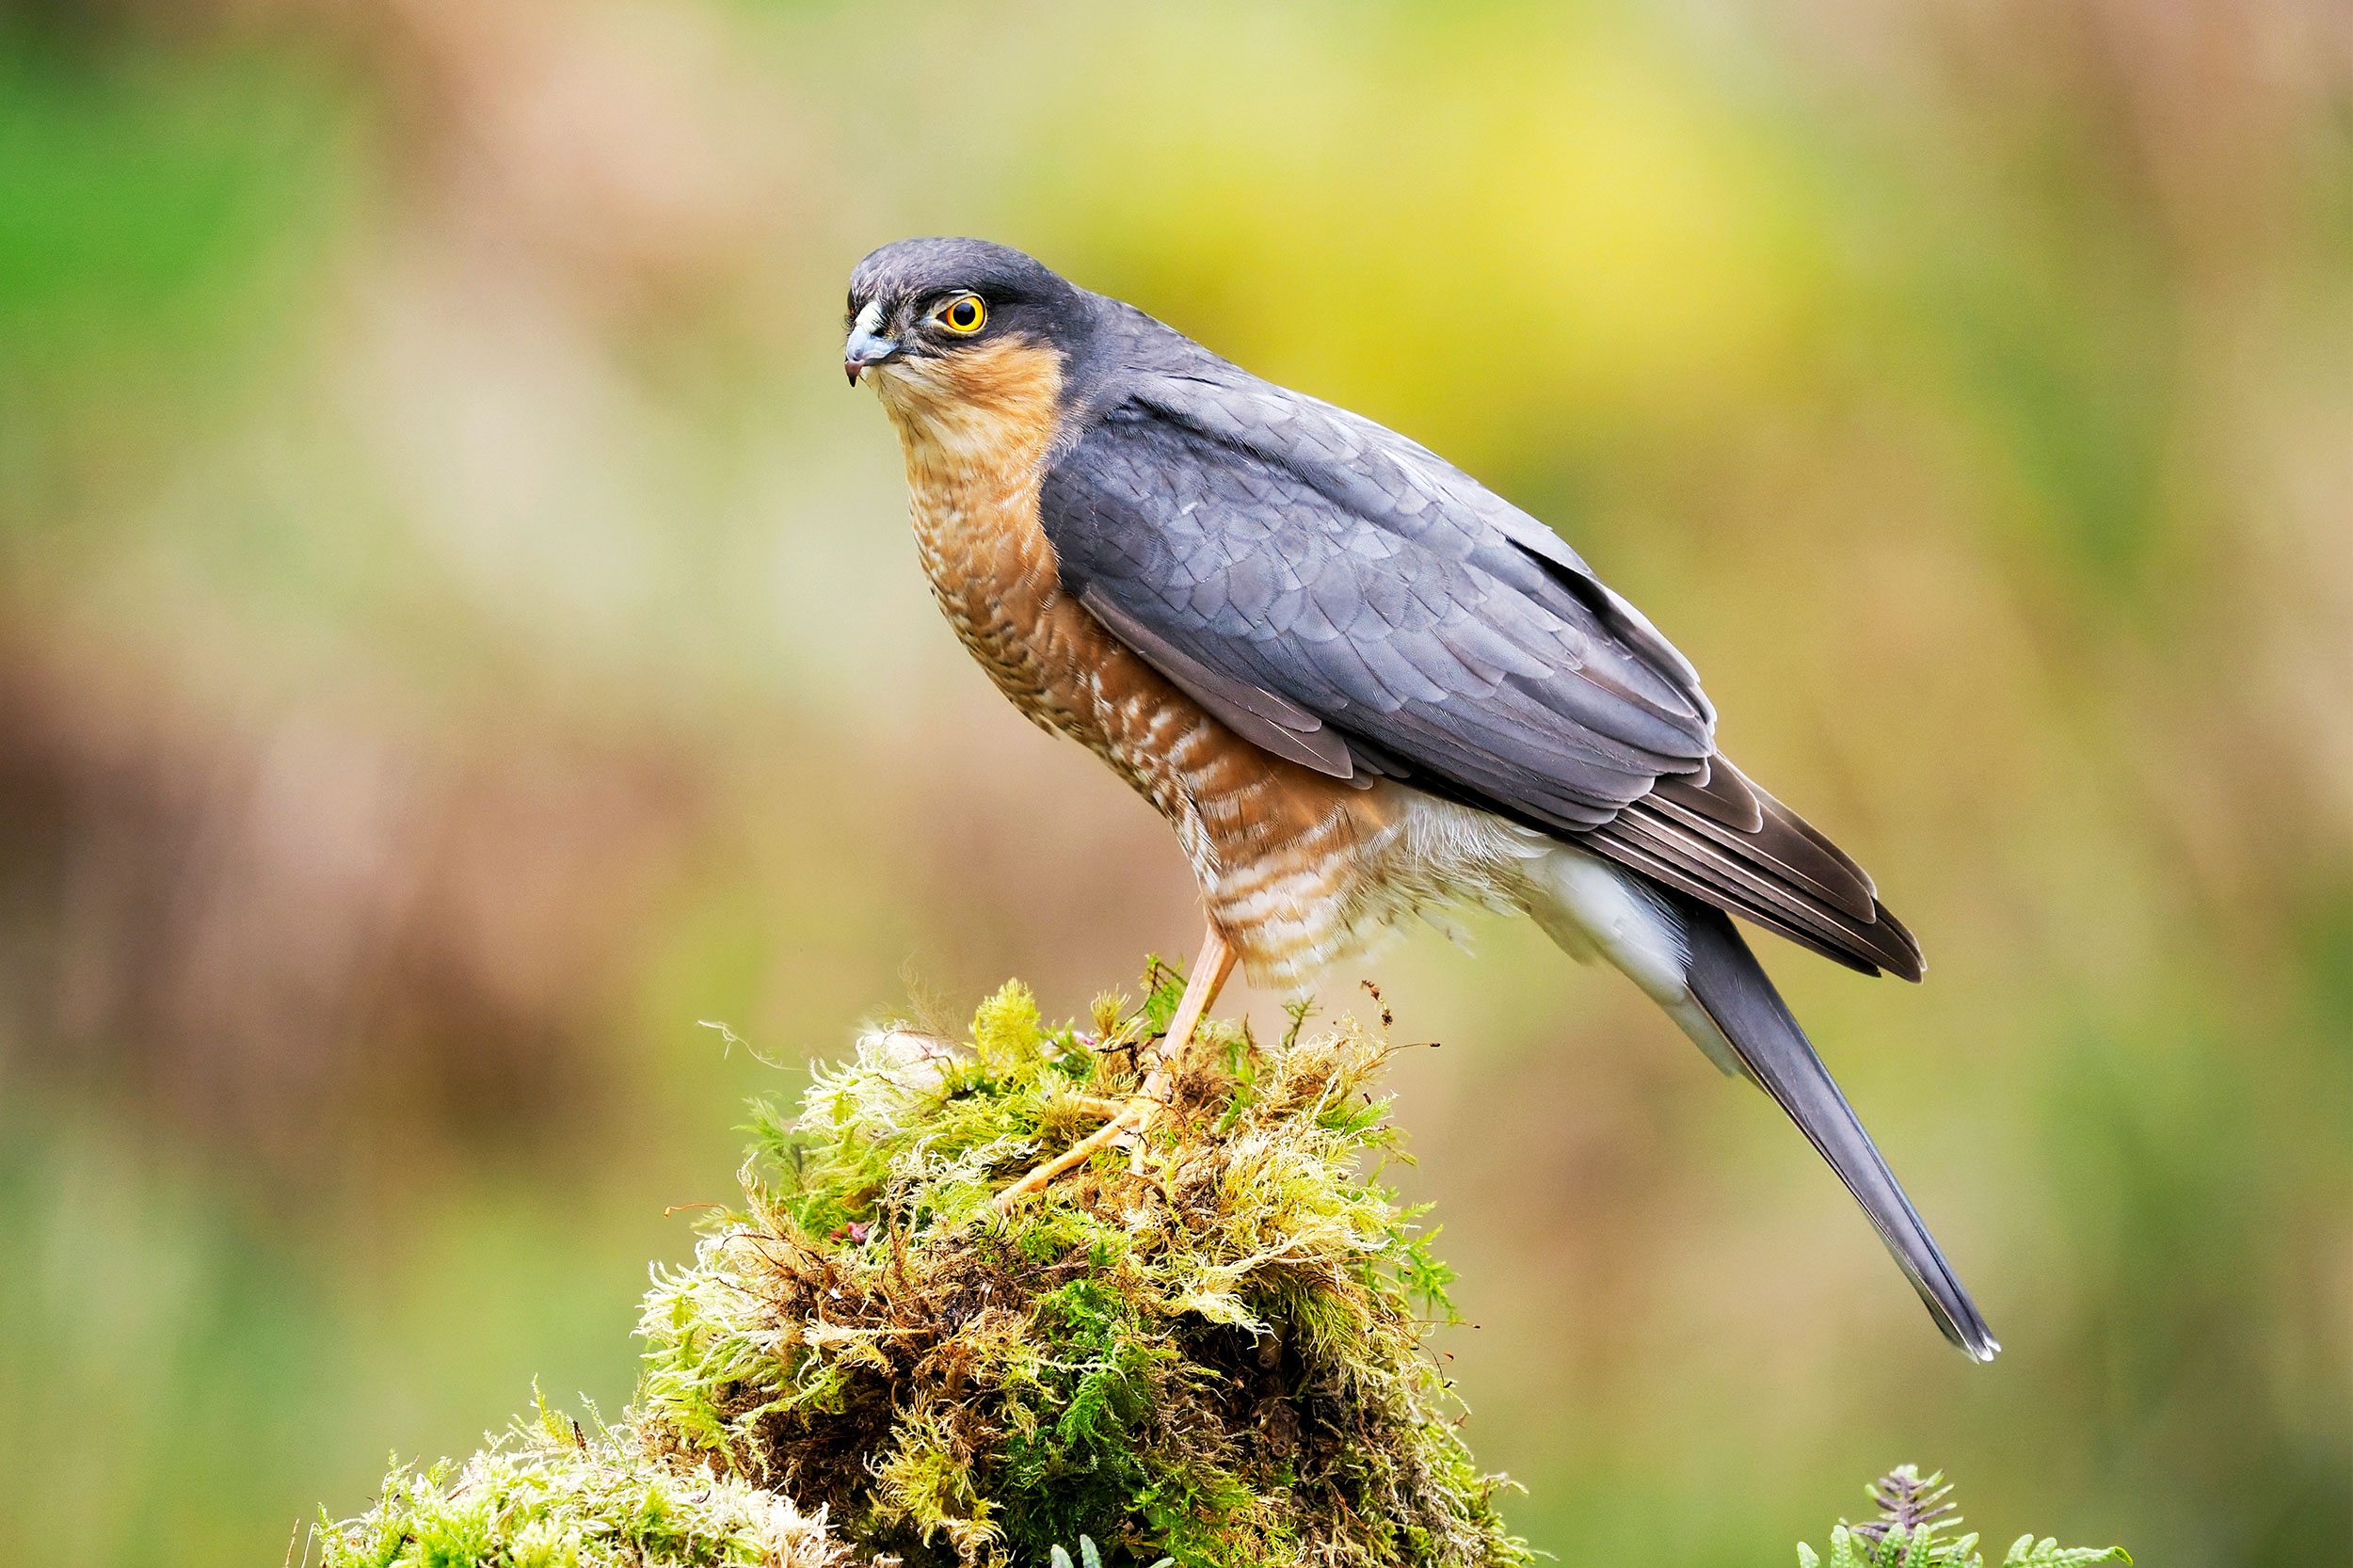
x: 1216, y: 1356
x: 552, y: 1493
x: 1211, y: 1354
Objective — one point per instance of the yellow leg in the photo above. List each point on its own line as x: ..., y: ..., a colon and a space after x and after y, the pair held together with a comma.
x: 1208, y: 978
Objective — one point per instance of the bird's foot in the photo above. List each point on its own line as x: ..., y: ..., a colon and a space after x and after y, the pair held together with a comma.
x: 1128, y: 1119
x: 1135, y: 1116
x: 1126, y: 1125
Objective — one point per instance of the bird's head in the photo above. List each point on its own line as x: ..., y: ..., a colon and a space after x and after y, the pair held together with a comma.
x: 953, y: 327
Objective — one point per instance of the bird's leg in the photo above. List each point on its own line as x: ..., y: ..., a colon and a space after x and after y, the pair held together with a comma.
x: 1210, y: 971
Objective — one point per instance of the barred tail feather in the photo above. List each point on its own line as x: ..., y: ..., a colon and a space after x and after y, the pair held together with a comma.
x: 1688, y: 957
x: 1740, y: 998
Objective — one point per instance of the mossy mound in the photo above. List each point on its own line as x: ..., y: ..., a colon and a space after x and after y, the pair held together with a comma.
x: 1210, y: 1352
x: 552, y: 1493
x: 1216, y: 1357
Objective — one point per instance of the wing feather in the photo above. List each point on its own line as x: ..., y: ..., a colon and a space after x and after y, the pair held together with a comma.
x: 1255, y: 714
x: 1341, y: 596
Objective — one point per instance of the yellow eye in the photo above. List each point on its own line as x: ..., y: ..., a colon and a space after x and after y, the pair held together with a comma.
x: 963, y: 313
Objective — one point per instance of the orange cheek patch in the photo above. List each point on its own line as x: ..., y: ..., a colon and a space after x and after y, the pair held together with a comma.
x: 1015, y: 378
x: 986, y: 406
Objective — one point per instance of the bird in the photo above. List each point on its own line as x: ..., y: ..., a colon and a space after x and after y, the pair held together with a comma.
x: 1358, y: 685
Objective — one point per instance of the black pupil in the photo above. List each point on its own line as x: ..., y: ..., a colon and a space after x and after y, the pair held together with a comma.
x: 963, y: 313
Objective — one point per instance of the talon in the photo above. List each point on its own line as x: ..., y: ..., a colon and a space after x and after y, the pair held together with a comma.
x: 1128, y: 1120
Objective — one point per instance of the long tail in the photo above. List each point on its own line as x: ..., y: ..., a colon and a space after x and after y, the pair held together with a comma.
x: 1688, y: 957
x: 1731, y: 986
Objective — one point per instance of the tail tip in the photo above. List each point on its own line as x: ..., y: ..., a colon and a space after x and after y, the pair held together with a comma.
x: 1971, y: 1335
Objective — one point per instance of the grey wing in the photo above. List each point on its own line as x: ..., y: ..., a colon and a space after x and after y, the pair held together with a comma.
x: 1342, y: 596
x: 1485, y: 674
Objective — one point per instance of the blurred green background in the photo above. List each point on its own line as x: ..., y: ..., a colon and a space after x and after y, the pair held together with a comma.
x: 457, y: 632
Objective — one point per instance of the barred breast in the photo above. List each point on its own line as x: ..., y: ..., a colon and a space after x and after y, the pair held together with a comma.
x: 1297, y: 869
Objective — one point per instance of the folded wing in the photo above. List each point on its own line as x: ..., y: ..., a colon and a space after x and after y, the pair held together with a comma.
x: 1344, y: 598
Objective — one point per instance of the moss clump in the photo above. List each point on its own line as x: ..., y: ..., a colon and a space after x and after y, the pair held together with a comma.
x: 1215, y: 1356
x: 550, y: 1494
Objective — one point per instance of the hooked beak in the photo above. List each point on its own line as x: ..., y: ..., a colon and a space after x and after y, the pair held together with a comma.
x: 863, y: 350
x: 867, y: 346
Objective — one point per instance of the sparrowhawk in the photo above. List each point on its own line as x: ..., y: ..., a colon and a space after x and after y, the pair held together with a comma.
x: 1358, y: 685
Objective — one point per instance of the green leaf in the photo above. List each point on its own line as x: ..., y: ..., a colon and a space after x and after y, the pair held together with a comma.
x: 2026, y: 1552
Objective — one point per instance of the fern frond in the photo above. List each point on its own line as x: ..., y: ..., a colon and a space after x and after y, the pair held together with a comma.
x: 1915, y: 1512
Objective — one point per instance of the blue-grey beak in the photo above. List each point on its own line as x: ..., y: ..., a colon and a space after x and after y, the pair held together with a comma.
x: 864, y: 348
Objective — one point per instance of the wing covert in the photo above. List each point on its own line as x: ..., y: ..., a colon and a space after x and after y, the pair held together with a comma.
x: 1354, y: 600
